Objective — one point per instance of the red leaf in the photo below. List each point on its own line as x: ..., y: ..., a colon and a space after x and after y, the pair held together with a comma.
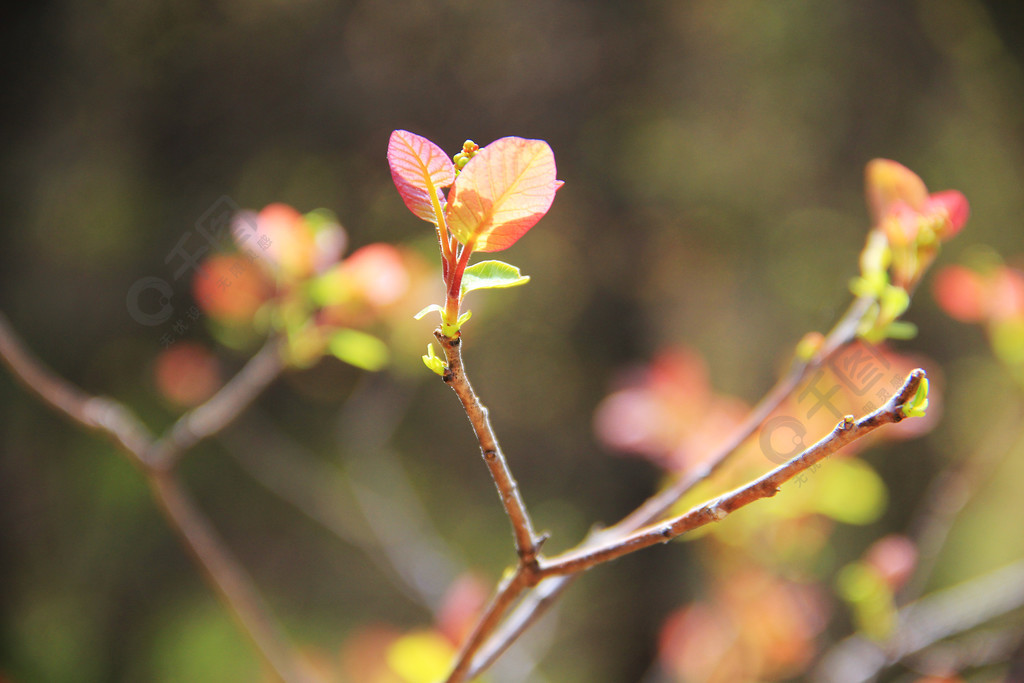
x: 954, y: 203
x: 420, y: 169
x: 502, y: 192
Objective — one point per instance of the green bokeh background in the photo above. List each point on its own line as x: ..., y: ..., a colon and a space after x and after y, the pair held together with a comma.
x: 713, y: 155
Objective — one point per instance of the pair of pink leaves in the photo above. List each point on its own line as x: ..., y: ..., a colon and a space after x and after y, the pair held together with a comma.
x: 497, y: 197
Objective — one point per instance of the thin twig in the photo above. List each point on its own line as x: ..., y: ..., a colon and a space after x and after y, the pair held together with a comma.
x: 527, y: 542
x: 508, y: 592
x: 115, y: 420
x: 766, y: 486
x: 842, y: 333
x: 94, y: 412
x: 533, y: 605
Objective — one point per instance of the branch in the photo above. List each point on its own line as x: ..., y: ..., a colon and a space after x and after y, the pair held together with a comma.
x: 532, y: 607
x: 658, y: 505
x: 527, y: 542
x: 225, y: 573
x: 222, y: 408
x: 115, y: 420
x: 923, y: 623
x: 768, y: 485
x: 94, y: 412
x: 508, y: 592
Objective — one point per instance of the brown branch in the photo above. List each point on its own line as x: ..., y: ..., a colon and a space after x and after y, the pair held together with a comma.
x: 115, y: 420
x: 225, y: 573
x: 545, y: 594
x: 533, y: 605
x: 508, y: 592
x: 527, y: 542
x: 222, y: 408
x: 497, y: 628
x: 658, y: 505
x: 94, y: 412
x: 767, y: 486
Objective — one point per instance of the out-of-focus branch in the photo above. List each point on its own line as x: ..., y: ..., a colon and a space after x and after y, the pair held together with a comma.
x: 924, y: 623
x: 95, y: 412
x: 115, y: 420
x: 225, y: 573
x: 222, y: 408
x: 951, y: 491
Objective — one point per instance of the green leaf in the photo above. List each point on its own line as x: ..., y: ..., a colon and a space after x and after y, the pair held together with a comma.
x: 918, y: 405
x: 492, y: 275
x: 359, y: 349
x: 428, y: 309
x: 452, y: 330
x: 434, y: 363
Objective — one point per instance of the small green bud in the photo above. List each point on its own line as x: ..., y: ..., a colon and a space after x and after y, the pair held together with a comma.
x: 918, y: 405
x: 434, y: 363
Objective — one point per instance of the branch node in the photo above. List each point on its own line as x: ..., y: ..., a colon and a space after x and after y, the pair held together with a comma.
x: 717, y: 511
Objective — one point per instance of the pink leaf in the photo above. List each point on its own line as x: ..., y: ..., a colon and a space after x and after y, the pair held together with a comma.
x: 954, y: 203
x: 502, y: 192
x: 420, y: 169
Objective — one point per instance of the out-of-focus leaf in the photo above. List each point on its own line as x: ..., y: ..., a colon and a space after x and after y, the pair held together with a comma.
x: 420, y: 169
x: 421, y: 657
x: 849, y: 491
x: 359, y: 349
x: 492, y: 275
x: 502, y: 192
x: 1008, y: 340
x: 187, y: 373
x: 231, y: 288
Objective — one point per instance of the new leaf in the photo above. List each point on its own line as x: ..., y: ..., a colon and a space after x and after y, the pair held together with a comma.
x: 420, y: 169
x: 501, y: 193
x: 492, y: 275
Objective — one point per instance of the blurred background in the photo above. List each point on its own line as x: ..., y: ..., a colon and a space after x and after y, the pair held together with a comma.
x: 713, y: 157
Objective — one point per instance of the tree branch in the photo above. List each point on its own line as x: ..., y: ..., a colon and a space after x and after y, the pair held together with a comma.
x: 546, y: 593
x: 225, y: 574
x: 527, y: 542
x: 508, y: 592
x: 116, y: 421
x: 923, y: 623
x: 767, y: 486
x: 94, y: 412
x: 842, y: 333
